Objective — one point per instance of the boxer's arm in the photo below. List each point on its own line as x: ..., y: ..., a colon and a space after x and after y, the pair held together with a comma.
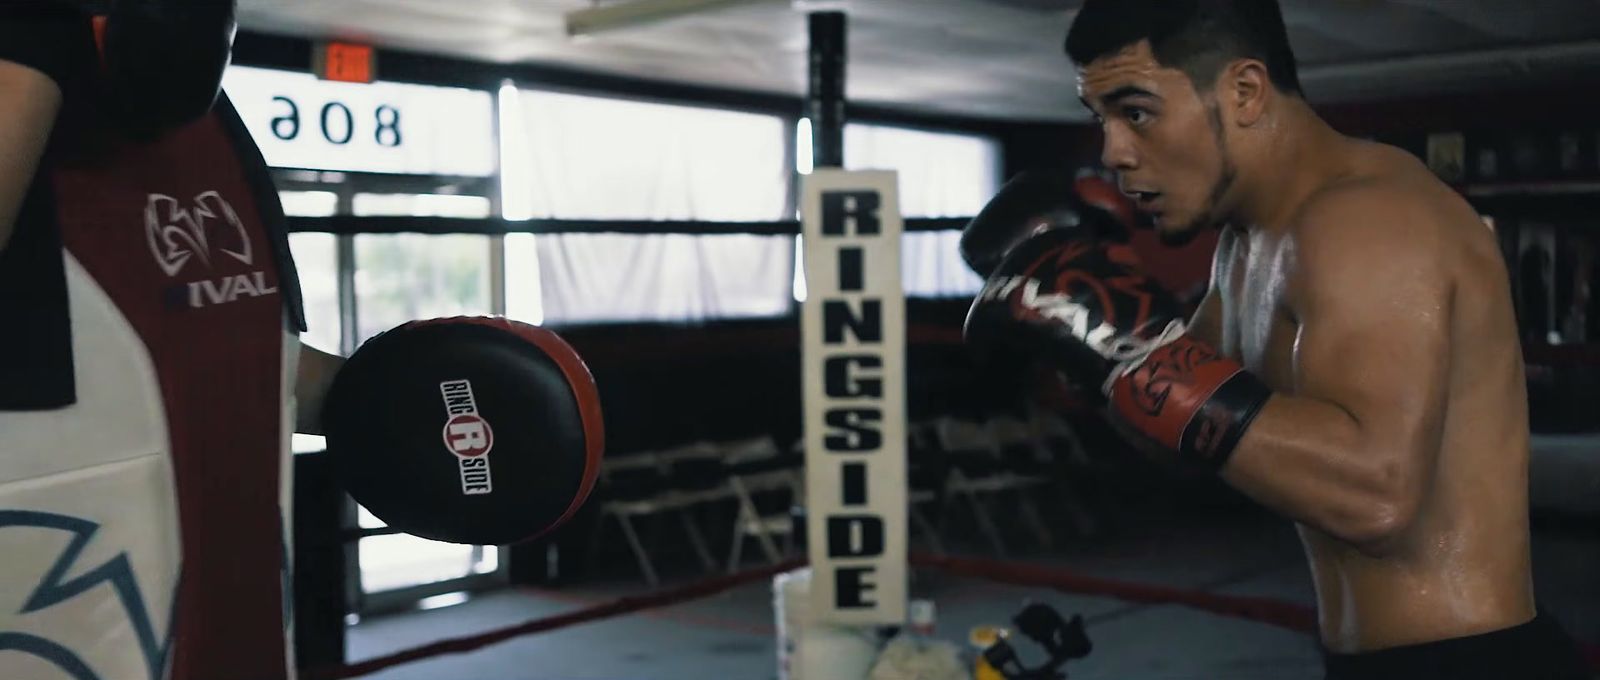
x: 29, y: 101
x: 1206, y: 323
x: 317, y: 369
x: 1352, y: 451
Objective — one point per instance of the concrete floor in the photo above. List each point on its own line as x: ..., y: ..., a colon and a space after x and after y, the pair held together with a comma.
x: 730, y: 636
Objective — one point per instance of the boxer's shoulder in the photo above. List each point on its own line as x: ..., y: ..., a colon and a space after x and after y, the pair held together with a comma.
x: 1380, y: 212
x: 1365, y: 233
x: 1389, y: 212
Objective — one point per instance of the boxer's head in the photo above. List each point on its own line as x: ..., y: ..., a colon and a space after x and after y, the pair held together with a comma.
x: 1173, y: 82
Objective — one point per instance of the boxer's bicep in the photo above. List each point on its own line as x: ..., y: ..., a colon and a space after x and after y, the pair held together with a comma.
x: 29, y: 101
x: 1350, y: 446
x: 1374, y: 309
x: 1206, y: 323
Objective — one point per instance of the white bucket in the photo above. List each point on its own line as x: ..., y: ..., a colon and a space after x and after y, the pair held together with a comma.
x: 809, y: 650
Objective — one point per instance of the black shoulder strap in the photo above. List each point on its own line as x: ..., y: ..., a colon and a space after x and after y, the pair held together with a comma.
x: 267, y: 202
x: 36, y: 369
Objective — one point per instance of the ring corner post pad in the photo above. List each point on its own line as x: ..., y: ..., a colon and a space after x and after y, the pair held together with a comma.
x: 853, y: 390
x: 474, y: 430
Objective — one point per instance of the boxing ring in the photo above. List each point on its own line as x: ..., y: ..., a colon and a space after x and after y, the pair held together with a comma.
x: 1282, y: 614
x: 851, y: 280
x: 1286, y: 615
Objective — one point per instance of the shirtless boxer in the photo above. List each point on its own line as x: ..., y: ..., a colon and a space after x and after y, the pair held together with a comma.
x: 1354, y: 365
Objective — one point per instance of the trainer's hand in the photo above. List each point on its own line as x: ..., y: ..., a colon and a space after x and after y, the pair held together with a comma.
x: 1063, y: 294
x: 315, y: 375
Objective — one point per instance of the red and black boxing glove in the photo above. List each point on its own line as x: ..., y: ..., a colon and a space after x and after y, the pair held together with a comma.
x: 1060, y: 292
x: 1038, y: 200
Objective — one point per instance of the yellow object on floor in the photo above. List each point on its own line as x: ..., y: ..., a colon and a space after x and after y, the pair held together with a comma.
x: 983, y: 637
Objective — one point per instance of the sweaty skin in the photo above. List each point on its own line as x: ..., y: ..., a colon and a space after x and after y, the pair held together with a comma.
x: 1376, y: 304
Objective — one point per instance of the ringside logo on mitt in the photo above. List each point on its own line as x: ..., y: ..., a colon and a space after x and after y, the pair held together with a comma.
x: 468, y: 436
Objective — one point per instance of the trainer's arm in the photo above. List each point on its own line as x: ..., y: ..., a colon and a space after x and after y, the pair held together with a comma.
x: 1351, y: 451
x: 317, y: 369
x: 29, y: 101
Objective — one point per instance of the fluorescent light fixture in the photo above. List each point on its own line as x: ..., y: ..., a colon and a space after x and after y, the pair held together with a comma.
x: 441, y: 601
x: 588, y: 22
x: 820, y: 5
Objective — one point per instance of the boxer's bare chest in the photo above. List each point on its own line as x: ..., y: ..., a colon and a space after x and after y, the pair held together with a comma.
x: 1257, y: 328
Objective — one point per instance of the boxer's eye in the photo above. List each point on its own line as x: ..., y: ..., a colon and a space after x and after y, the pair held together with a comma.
x: 1136, y: 115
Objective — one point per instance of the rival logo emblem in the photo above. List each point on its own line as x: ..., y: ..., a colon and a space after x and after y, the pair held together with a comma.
x: 229, y: 288
x: 177, y: 234
x: 56, y: 587
x: 468, y: 436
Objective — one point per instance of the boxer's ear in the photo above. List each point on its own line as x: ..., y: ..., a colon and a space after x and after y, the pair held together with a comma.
x: 1243, y: 88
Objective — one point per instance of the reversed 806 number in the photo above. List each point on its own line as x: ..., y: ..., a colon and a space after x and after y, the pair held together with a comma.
x: 338, y: 123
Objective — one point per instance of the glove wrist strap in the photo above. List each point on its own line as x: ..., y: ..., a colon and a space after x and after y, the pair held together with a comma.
x: 1189, y: 398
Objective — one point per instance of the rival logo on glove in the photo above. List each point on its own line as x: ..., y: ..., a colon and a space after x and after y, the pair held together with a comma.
x: 468, y: 436
x: 1026, y: 298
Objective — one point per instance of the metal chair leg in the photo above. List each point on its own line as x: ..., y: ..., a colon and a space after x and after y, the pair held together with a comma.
x: 639, y: 553
x: 1030, y: 515
x: 736, y: 550
x: 921, y: 520
x: 697, y: 541
x: 986, y: 524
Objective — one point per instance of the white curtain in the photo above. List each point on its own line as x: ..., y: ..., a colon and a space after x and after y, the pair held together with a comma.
x: 583, y: 157
x: 607, y: 277
x: 941, y: 175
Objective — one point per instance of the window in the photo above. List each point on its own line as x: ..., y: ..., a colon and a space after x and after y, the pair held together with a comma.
x: 404, y: 277
x: 316, y: 258
x: 399, y: 561
x: 611, y: 277
x: 299, y: 121
x: 582, y: 157
x: 422, y: 205
x: 940, y: 175
x: 309, y: 203
x: 596, y: 158
x: 382, y: 149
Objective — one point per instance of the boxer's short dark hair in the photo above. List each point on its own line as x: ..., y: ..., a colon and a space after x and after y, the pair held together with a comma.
x: 1198, y: 37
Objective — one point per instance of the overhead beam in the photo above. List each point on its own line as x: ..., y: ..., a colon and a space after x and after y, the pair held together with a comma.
x: 605, y: 18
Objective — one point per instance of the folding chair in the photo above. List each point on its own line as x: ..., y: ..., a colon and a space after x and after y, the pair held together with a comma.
x: 757, y: 467
x: 664, y: 482
x: 979, y: 472
x: 927, y: 475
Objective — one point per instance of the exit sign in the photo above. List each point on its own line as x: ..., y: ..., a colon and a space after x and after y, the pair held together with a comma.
x: 346, y: 62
